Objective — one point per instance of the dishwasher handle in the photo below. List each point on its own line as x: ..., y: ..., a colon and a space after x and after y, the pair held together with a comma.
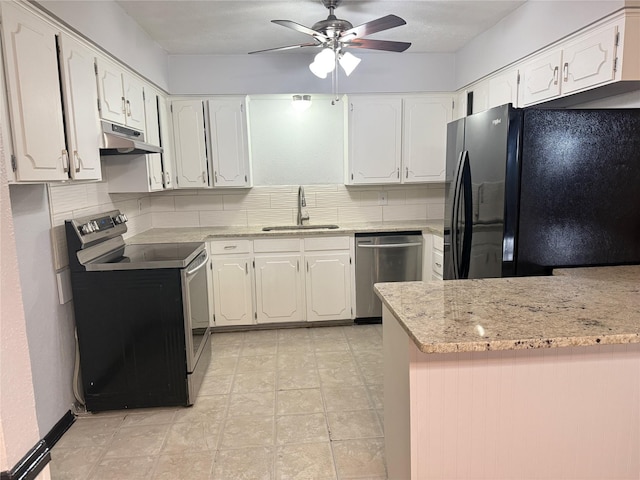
x: 391, y: 245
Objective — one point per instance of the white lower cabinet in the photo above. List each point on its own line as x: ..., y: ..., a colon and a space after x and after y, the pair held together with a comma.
x: 437, y: 257
x: 279, y: 280
x: 279, y: 289
x: 232, y: 290
x: 328, y: 286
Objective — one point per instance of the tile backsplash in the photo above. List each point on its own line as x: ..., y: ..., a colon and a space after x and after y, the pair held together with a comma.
x: 273, y: 205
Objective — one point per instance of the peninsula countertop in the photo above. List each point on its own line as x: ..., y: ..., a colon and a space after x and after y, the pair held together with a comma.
x: 575, y: 307
x: 201, y: 234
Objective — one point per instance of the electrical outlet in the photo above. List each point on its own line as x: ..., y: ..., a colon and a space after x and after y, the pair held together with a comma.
x: 382, y: 198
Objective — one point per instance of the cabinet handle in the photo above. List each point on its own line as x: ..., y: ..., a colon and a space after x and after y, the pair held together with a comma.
x: 555, y: 75
x: 246, y: 268
x: 565, y: 71
x: 124, y: 105
x: 204, y: 177
x: 398, y: 172
x: 307, y: 267
x: 215, y: 176
x: 76, y: 161
x: 230, y: 247
x: 439, y: 265
x: 65, y: 160
x: 407, y: 173
x: 298, y: 265
x: 168, y: 178
x: 128, y: 108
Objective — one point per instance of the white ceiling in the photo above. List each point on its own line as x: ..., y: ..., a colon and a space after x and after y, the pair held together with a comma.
x: 228, y: 27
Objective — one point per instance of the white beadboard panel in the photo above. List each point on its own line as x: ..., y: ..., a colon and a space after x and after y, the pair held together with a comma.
x: 359, y: 214
x: 59, y: 244
x: 396, y: 197
x: 340, y: 198
x: 162, y: 203
x: 370, y: 197
x: 214, y: 218
x: 433, y: 195
x: 551, y: 414
x: 246, y: 201
x: 323, y: 215
x: 98, y: 194
x: 145, y: 205
x: 419, y: 196
x: 404, y: 212
x: 66, y: 198
x: 198, y: 202
x: 435, y: 211
x: 175, y: 219
x: 271, y: 217
x: 59, y: 218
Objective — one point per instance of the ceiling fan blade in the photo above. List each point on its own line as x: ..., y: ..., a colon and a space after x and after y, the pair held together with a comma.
x: 386, y: 45
x: 300, y: 28
x: 374, y: 26
x: 289, y: 47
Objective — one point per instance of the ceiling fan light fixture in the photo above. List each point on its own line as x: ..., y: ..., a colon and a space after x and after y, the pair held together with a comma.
x: 348, y: 62
x: 323, y: 63
x: 301, y: 102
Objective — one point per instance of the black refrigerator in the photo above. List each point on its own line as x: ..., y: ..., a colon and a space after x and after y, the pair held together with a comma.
x: 529, y: 190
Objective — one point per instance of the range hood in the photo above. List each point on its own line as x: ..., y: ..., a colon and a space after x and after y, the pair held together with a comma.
x: 119, y: 140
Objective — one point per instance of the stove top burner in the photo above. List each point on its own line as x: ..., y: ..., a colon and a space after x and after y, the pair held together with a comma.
x: 147, y: 256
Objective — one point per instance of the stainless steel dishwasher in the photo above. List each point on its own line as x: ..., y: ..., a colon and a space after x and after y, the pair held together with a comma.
x: 384, y: 257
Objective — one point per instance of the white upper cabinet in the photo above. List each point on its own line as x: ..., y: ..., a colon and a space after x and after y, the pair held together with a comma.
x: 151, y: 117
x: 35, y: 102
x: 80, y: 102
x: 229, y: 142
x: 166, y: 142
x: 121, y: 95
x: 503, y: 88
x: 424, y: 144
x: 586, y: 61
x: 375, y: 139
x: 189, y: 144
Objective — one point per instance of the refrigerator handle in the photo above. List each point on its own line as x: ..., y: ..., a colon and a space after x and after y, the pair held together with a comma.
x: 466, y: 186
x: 454, y: 215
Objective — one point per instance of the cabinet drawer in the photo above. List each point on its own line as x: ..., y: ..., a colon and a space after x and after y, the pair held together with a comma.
x: 326, y: 243
x: 268, y: 245
x: 436, y: 262
x: 438, y: 243
x: 218, y: 247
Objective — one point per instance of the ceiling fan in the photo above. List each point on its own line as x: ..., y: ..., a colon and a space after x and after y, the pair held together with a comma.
x: 337, y: 34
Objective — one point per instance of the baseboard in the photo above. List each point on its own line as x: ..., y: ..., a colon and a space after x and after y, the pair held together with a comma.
x: 30, y: 466
x: 58, y: 429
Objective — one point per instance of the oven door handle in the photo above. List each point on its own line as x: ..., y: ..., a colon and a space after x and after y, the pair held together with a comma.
x: 202, y: 264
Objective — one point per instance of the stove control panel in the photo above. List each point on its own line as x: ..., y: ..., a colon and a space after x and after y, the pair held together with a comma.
x: 100, y: 226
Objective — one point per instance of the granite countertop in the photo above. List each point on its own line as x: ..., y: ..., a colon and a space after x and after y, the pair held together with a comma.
x: 201, y: 234
x: 575, y: 307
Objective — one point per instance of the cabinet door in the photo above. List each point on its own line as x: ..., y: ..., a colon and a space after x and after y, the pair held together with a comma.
x: 80, y: 96
x: 151, y: 117
x: 154, y: 169
x: 279, y: 289
x: 189, y: 140
x: 166, y: 141
x: 328, y: 286
x: 375, y: 137
x: 503, y: 89
x: 229, y: 142
x: 542, y: 78
x: 134, y: 101
x: 590, y: 60
x: 34, y: 96
x: 425, y: 138
x: 112, y: 101
x: 233, y: 304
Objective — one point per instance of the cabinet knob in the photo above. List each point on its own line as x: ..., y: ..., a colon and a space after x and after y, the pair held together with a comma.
x: 565, y: 71
x: 124, y: 105
x: 65, y: 160
x: 555, y: 75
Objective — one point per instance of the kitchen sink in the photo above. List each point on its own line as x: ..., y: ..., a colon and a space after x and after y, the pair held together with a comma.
x: 299, y: 227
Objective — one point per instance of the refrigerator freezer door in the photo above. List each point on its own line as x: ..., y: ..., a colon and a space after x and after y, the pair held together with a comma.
x: 455, y: 147
x: 486, y: 136
x: 580, y: 189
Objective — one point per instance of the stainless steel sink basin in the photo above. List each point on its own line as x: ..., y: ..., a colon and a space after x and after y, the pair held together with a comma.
x: 299, y: 227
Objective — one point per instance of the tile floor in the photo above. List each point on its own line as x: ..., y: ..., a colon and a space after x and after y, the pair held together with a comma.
x: 300, y: 403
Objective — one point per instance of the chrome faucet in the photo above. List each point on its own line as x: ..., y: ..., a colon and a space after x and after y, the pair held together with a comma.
x: 302, y: 202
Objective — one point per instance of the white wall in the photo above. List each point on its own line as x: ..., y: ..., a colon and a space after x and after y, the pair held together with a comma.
x: 18, y: 423
x: 50, y: 325
x: 536, y: 24
x: 289, y: 72
x: 106, y: 24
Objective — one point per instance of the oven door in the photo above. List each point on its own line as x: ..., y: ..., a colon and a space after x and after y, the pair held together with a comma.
x: 195, y: 294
